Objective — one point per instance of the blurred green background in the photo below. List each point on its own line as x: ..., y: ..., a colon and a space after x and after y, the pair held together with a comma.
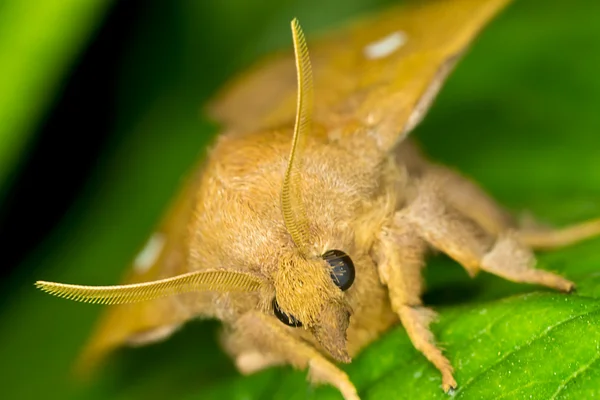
x: 520, y: 115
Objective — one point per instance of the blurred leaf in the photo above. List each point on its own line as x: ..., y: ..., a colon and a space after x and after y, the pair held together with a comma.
x: 38, y: 42
x: 519, y: 115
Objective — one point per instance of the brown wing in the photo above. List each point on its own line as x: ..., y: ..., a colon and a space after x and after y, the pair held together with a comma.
x: 381, y: 73
x: 164, y: 256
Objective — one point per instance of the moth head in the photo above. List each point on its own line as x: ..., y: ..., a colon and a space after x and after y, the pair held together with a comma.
x: 309, y: 294
x: 309, y: 287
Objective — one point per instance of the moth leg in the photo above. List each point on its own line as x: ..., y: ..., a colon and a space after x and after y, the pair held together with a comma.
x: 248, y: 359
x: 463, y: 194
x: 447, y: 230
x: 473, y: 202
x: 513, y: 260
x: 252, y: 361
x: 470, y: 200
x: 270, y: 343
x: 546, y: 239
x: 400, y: 255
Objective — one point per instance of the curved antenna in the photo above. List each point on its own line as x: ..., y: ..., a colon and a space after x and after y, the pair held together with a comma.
x: 211, y: 280
x: 294, y: 214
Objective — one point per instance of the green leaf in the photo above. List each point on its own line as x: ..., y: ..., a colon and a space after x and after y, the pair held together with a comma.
x: 519, y: 115
x: 38, y: 42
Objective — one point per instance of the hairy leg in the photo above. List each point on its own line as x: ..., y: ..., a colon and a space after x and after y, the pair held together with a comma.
x: 471, y: 201
x: 463, y: 194
x: 512, y: 260
x: 252, y: 361
x: 428, y: 219
x: 273, y: 345
x: 446, y: 229
x: 400, y: 254
x: 547, y: 239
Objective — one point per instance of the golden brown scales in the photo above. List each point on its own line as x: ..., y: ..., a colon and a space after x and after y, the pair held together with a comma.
x: 352, y: 184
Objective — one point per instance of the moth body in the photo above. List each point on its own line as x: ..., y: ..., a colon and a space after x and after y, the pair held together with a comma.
x: 348, y: 199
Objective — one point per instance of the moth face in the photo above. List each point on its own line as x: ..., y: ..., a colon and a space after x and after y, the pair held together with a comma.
x: 309, y: 294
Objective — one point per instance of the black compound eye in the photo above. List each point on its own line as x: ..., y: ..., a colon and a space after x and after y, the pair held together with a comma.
x: 342, y: 268
x: 289, y: 320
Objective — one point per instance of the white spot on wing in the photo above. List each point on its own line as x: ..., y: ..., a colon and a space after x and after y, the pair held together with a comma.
x: 385, y: 46
x: 147, y: 257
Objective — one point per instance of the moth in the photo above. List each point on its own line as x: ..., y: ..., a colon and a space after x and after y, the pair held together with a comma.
x: 306, y: 229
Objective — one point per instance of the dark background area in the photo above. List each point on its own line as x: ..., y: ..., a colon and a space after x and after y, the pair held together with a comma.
x: 68, y: 142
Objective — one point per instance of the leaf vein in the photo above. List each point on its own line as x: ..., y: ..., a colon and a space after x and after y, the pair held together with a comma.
x: 583, y: 368
x: 510, y: 395
x: 528, y: 343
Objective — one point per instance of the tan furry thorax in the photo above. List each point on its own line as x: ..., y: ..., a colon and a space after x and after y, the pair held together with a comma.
x: 347, y: 198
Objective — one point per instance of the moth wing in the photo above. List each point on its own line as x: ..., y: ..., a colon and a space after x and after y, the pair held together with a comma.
x: 382, y: 73
x: 163, y: 256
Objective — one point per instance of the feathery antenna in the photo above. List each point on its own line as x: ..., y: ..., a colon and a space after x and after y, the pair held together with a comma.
x: 294, y: 214
x: 211, y: 280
